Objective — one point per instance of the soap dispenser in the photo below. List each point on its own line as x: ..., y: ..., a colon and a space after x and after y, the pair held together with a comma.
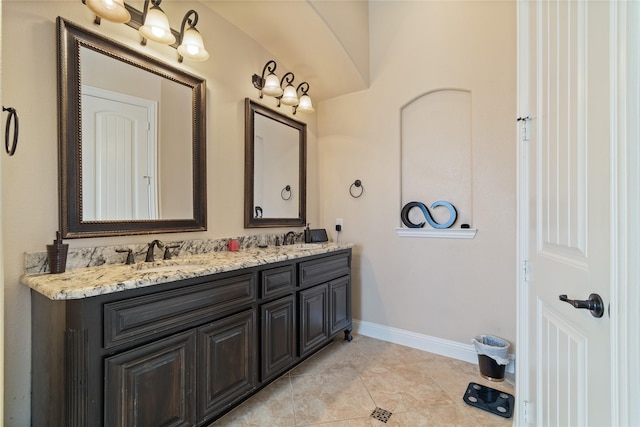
x: 307, y: 234
x: 57, y: 255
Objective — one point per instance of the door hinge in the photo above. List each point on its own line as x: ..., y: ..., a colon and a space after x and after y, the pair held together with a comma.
x: 525, y: 127
x: 525, y: 270
x: 528, y: 414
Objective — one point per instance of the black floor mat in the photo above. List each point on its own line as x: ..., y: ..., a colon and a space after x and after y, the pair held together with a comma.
x: 489, y: 399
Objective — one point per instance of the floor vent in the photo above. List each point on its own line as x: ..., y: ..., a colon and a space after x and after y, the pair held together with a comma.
x: 381, y: 415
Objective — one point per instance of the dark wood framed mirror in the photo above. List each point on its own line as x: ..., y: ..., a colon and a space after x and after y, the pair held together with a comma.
x: 275, y: 168
x: 132, y: 140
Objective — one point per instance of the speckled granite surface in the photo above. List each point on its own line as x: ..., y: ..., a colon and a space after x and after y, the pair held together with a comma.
x: 107, y: 278
x: 36, y: 262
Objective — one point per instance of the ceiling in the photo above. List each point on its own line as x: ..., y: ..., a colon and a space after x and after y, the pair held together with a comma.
x: 324, y: 42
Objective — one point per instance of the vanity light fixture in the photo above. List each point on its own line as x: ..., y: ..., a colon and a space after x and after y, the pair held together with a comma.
x: 289, y: 95
x: 111, y: 10
x: 153, y: 24
x: 304, y: 104
x: 271, y: 86
x: 191, y: 43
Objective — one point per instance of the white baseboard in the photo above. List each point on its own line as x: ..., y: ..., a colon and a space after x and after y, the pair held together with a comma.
x: 448, y: 348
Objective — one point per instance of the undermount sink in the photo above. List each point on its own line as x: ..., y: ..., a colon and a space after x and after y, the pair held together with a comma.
x: 169, y: 268
x: 305, y: 246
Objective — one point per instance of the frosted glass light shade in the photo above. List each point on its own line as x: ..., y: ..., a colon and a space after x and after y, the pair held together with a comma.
x: 290, y: 96
x: 272, y: 85
x: 305, y: 105
x: 111, y: 10
x: 192, y: 46
x: 156, y: 27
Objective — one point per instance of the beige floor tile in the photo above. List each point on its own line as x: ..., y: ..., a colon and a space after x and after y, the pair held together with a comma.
x: 451, y: 415
x: 341, y: 385
x: 403, y: 388
x: 329, y: 397
x: 272, y: 406
x: 355, y: 422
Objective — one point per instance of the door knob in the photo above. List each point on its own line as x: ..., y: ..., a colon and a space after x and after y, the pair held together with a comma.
x: 594, y: 304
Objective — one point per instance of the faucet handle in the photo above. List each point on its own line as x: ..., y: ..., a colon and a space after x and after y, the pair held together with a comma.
x: 167, y: 253
x: 129, y: 252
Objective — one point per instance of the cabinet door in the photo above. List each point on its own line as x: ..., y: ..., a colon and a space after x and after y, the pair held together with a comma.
x: 314, y: 318
x: 152, y: 385
x: 340, y: 303
x: 226, y: 362
x: 278, y: 336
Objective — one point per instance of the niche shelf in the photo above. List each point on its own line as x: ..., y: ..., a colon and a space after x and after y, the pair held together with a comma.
x: 447, y: 233
x: 437, y: 160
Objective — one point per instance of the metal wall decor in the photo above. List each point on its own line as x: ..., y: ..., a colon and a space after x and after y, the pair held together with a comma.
x: 404, y: 214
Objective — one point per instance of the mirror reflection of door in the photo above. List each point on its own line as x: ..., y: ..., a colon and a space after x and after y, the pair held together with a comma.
x: 258, y: 171
x: 119, y: 142
x: 276, y: 166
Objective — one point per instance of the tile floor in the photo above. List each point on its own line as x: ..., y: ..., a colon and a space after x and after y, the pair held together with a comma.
x: 342, y: 385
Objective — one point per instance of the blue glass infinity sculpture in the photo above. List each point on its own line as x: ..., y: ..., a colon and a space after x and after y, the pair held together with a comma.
x: 404, y: 214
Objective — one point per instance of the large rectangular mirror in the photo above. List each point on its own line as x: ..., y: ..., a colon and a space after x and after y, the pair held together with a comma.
x: 132, y: 140
x: 275, y: 168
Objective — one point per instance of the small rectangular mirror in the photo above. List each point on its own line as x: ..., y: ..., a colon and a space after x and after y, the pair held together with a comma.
x: 275, y: 168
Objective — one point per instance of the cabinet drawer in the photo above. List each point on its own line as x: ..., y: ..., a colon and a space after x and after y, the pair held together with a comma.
x: 131, y: 319
x: 276, y: 281
x: 323, y: 269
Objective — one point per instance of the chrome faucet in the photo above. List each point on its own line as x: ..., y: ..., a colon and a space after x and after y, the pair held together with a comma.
x: 149, y: 257
x: 286, y: 236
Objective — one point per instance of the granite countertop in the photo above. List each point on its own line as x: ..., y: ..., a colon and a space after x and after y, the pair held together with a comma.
x: 91, y: 281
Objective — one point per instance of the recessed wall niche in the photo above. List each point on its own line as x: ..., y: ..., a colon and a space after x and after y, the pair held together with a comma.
x: 437, y: 158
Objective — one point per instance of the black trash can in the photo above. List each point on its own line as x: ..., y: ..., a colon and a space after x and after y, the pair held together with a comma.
x: 493, y: 356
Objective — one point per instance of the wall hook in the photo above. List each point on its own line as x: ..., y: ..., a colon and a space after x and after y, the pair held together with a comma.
x: 13, y: 116
x: 357, y: 184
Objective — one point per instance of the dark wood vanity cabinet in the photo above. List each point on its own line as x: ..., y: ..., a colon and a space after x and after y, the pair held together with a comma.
x: 325, y: 300
x: 278, y: 318
x: 186, y: 352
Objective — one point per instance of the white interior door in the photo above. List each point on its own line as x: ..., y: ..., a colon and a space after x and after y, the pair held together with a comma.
x: 565, y: 212
x: 119, y: 157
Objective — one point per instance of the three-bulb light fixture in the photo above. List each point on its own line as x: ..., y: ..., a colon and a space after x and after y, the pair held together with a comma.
x: 153, y: 24
x: 271, y: 85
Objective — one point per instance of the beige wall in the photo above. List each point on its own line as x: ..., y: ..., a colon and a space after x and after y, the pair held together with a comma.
x: 29, y: 179
x: 444, y: 288
x: 451, y: 289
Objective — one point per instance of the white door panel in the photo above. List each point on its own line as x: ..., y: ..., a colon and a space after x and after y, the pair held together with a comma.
x: 119, y: 157
x: 568, y: 197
